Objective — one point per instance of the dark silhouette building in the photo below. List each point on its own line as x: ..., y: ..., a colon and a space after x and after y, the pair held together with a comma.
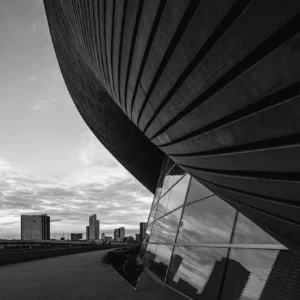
x: 283, y: 282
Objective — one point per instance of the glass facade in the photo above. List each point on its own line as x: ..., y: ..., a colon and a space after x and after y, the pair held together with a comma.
x: 202, y: 247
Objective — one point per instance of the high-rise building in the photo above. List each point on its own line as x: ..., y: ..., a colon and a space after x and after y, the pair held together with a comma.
x: 76, y: 237
x: 94, y: 228
x: 103, y: 236
x: 116, y: 234
x: 119, y: 234
x: 122, y: 234
x: 284, y: 279
x: 87, y: 233
x: 143, y: 227
x: 35, y: 227
x: 97, y: 230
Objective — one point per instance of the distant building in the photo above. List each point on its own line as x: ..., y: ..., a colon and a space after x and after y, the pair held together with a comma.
x: 116, y: 234
x: 35, y: 227
x: 108, y: 239
x: 97, y: 230
x: 122, y: 233
x: 103, y: 236
x: 94, y: 228
x: 76, y: 237
x: 87, y: 233
x: 137, y: 237
x: 143, y: 227
x: 119, y: 234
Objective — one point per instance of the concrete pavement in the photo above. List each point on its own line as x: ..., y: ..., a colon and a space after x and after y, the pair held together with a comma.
x: 77, y: 276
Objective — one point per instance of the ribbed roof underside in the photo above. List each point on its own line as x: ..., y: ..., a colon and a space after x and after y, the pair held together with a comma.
x: 213, y: 84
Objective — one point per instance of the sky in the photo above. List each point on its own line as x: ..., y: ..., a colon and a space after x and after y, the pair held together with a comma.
x: 50, y: 162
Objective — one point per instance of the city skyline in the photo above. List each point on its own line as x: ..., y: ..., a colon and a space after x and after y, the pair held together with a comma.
x: 49, y: 163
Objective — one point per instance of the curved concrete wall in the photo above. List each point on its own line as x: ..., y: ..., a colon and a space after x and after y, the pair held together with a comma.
x: 213, y: 84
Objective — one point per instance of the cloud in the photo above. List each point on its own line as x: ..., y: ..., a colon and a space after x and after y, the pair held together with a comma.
x: 117, y: 200
x: 55, y: 220
x: 43, y: 104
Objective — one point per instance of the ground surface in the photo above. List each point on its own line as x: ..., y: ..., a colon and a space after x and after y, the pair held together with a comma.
x: 75, y: 277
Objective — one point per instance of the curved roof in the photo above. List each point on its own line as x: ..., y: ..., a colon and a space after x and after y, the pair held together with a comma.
x: 213, y: 84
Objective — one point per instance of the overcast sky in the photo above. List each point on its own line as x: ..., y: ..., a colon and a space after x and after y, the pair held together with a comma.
x: 50, y: 162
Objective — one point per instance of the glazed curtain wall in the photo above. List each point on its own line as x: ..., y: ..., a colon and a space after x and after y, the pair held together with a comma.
x: 202, y: 247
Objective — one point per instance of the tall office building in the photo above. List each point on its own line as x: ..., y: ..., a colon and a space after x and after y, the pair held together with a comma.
x: 119, y: 234
x: 284, y: 279
x: 87, y: 229
x: 97, y: 230
x: 103, y: 236
x: 94, y: 228
x: 36, y: 227
x: 143, y: 227
x: 116, y: 234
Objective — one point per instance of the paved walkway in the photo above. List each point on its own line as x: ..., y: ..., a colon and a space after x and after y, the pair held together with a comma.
x: 69, y: 277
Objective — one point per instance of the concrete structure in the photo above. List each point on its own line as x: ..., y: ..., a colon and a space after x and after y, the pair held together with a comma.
x: 199, y: 100
x: 74, y: 277
x: 103, y: 236
x: 76, y: 236
x: 36, y: 227
x: 143, y: 227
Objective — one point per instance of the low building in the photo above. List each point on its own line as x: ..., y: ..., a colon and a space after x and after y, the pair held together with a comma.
x: 76, y: 237
x: 108, y: 239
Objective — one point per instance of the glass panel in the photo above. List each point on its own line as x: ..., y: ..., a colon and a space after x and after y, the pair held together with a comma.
x: 142, y: 252
x: 152, y: 214
x: 197, y: 191
x: 156, y: 197
x: 196, y: 271
x: 178, y: 193
x: 155, y: 232
x: 148, y: 233
x: 247, y: 232
x: 149, y: 255
x: 162, y: 260
x: 177, y: 173
x: 168, y: 181
x: 170, y: 227
x: 256, y: 274
x: 162, y: 205
x: 207, y: 221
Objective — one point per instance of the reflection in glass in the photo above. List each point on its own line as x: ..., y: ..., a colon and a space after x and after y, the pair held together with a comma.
x: 142, y: 252
x: 162, y: 205
x: 254, y: 274
x: 177, y: 173
x: 152, y: 215
x: 148, y: 233
x: 161, y: 261
x: 155, y: 232
x: 156, y: 197
x: 197, y: 271
x: 197, y: 191
x: 178, y: 193
x: 207, y: 221
x: 170, y: 227
x: 168, y: 182
x: 149, y: 255
x: 247, y: 232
